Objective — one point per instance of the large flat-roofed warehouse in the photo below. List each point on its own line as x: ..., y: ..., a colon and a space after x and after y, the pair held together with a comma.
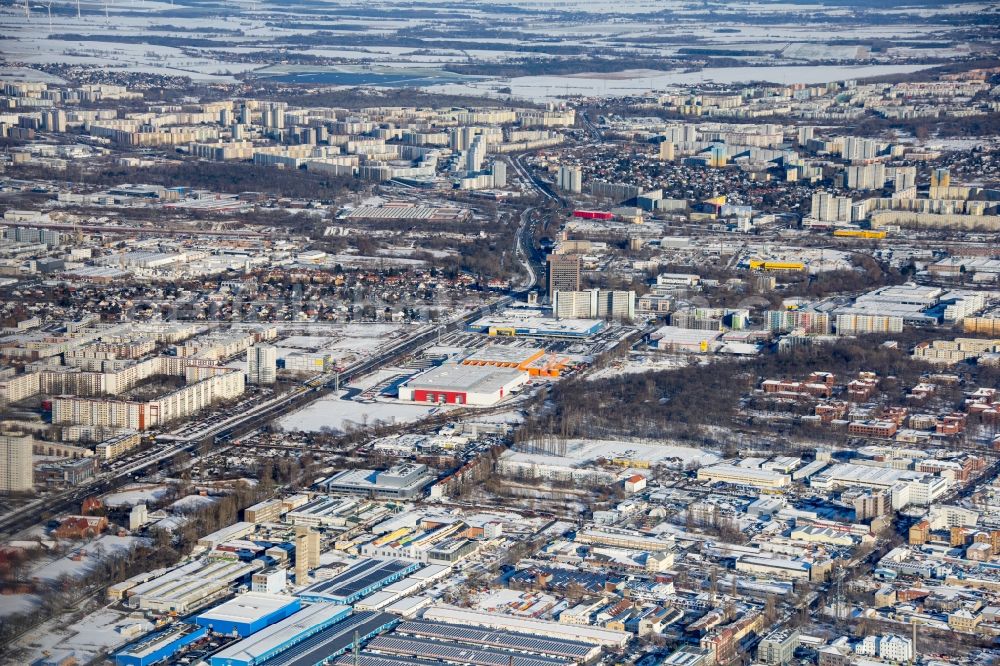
x: 189, y: 587
x: 403, y: 481
x: 368, y: 659
x: 454, y: 384
x: 464, y: 617
x: 277, y: 638
x: 744, y: 476
x: 408, y: 212
x: 455, y: 653
x: 334, y: 640
x: 159, y: 646
x: 360, y: 580
x: 324, y: 512
x: 248, y: 613
x: 532, y: 360
x: 508, y: 640
x: 510, y: 323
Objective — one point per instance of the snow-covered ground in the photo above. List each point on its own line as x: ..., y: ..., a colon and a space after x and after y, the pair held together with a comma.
x: 191, y: 503
x: 332, y: 412
x: 579, y: 451
x: 638, y: 363
x: 16, y: 604
x: 84, y: 557
x: 136, y: 494
x: 102, y: 631
x: 541, y: 88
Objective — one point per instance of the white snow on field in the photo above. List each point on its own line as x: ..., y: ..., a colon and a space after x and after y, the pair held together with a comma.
x: 512, y: 417
x: 541, y: 88
x: 16, y: 604
x: 640, y: 363
x: 191, y: 503
x: 83, y: 558
x: 135, y: 494
x: 332, y: 412
x: 346, y: 342
x: 310, y: 342
x: 582, y: 451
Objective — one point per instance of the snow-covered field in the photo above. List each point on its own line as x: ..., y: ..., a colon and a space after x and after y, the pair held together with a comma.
x: 135, y: 494
x: 332, y: 412
x: 191, y: 503
x: 641, y: 81
x: 638, y: 363
x: 579, y: 451
x: 84, y: 557
x: 16, y: 604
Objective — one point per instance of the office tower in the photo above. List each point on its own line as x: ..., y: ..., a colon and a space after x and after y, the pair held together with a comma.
x: 499, y: 174
x: 941, y: 177
x: 16, y: 472
x: 570, y: 179
x: 564, y: 272
x: 306, y: 552
x: 667, y: 151
x: 262, y: 364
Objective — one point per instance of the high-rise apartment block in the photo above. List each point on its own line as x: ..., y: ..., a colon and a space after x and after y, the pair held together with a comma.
x: 262, y: 364
x: 570, y: 179
x: 16, y: 472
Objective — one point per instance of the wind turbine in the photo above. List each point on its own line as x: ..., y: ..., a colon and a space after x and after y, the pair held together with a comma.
x: 49, y: 6
x: 78, y: 8
x: 27, y: 10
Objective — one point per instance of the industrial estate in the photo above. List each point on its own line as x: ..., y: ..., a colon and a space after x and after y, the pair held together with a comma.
x: 502, y: 334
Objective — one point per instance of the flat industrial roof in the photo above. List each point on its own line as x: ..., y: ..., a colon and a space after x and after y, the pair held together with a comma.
x: 472, y: 378
x: 316, y: 649
x: 250, y: 649
x: 683, y: 336
x: 459, y: 653
x: 555, y: 647
x: 368, y: 659
x: 356, y: 578
x: 472, y: 618
x: 156, y: 641
x: 539, y: 325
x: 744, y: 472
x: 248, y: 607
x: 865, y: 475
x: 503, y: 354
x: 430, y: 572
